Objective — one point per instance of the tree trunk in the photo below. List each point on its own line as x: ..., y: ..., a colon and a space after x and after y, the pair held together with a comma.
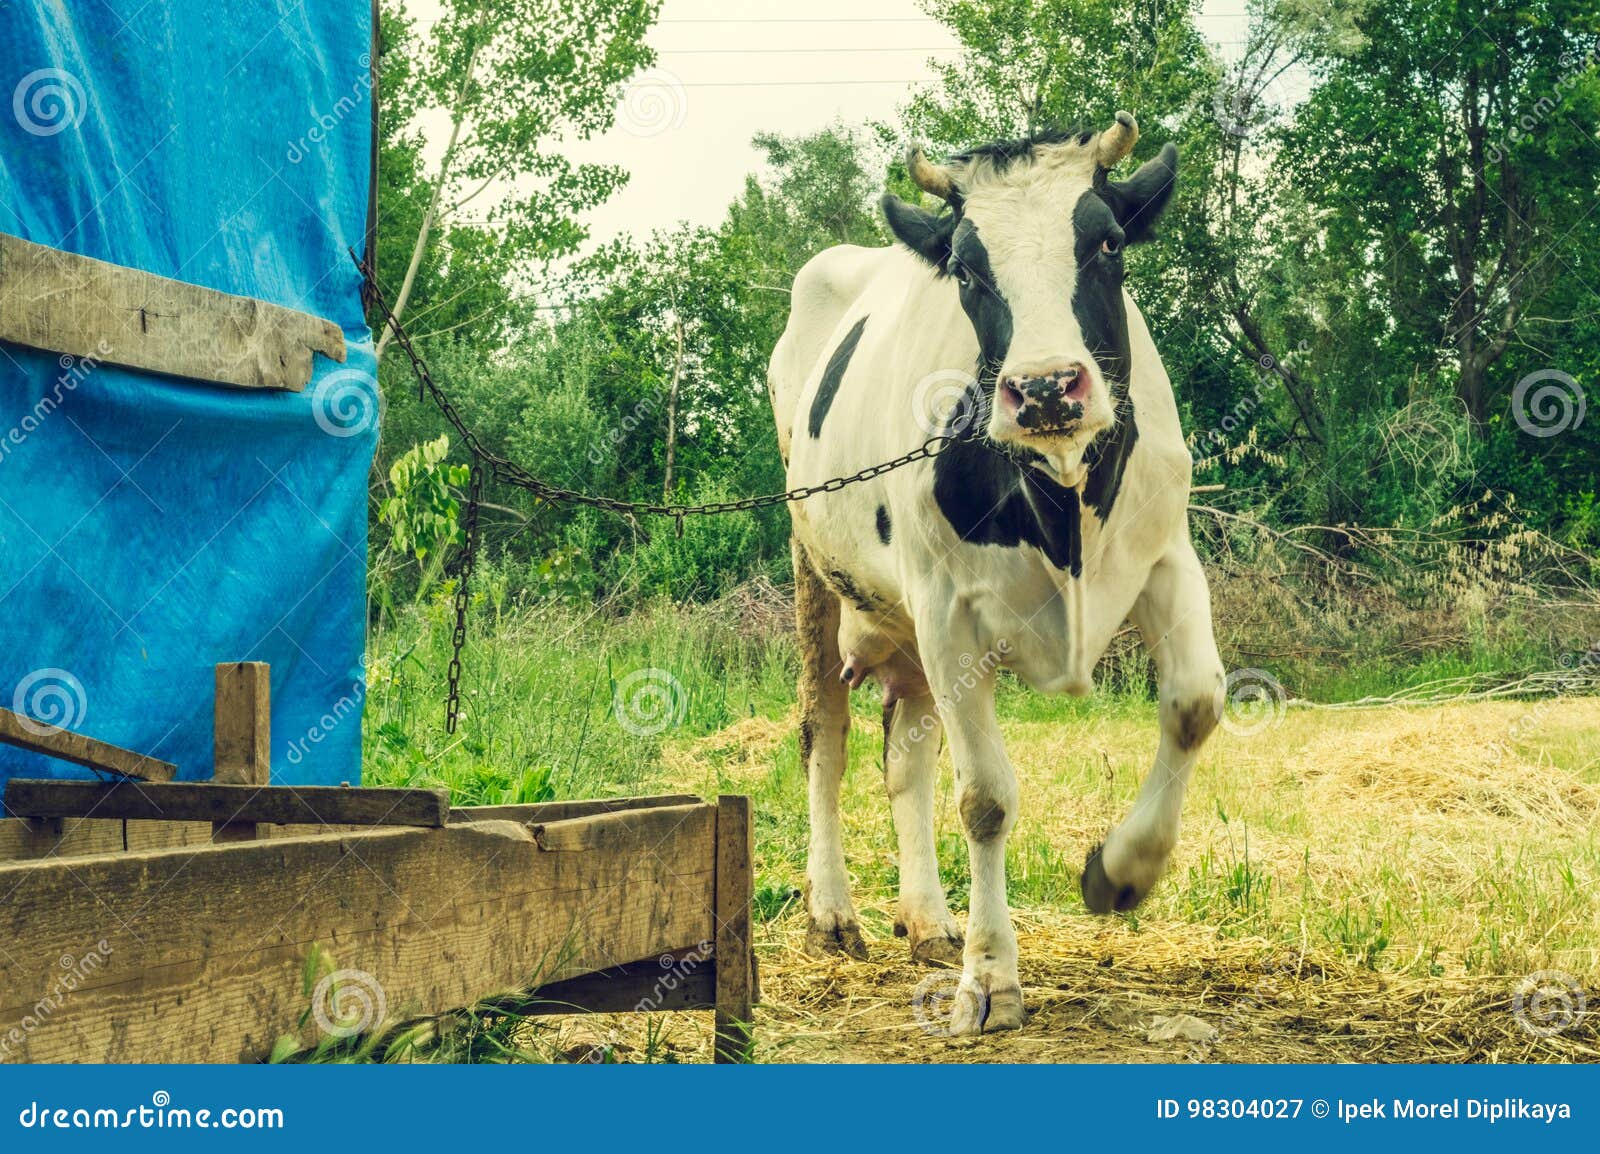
x: 672, y: 412
x: 428, y: 217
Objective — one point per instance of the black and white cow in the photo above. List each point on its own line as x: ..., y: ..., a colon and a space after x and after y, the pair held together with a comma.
x: 1024, y: 549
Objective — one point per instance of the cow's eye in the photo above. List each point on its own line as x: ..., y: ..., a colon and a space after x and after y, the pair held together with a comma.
x: 1111, y: 246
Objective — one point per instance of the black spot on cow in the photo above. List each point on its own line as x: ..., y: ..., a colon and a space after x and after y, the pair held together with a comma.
x: 833, y: 375
x: 845, y: 586
x: 994, y: 497
x: 884, y: 527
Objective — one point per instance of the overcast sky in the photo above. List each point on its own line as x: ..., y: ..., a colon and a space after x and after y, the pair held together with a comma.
x: 684, y: 131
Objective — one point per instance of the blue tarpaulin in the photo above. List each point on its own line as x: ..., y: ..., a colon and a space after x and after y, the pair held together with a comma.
x: 152, y: 527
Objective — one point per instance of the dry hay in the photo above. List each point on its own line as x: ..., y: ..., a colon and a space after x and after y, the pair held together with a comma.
x: 1471, y: 830
x: 1095, y: 989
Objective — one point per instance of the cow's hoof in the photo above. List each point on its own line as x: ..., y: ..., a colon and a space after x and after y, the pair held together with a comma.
x: 1100, y: 893
x: 942, y: 951
x: 986, y: 1011
x: 844, y: 938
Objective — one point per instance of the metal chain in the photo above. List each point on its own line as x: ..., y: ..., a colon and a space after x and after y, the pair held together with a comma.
x: 464, y: 564
x: 510, y: 473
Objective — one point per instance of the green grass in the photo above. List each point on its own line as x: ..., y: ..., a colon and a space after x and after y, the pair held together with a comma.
x: 1281, y: 840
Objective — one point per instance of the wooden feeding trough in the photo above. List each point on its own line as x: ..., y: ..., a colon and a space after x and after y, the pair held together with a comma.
x: 150, y: 920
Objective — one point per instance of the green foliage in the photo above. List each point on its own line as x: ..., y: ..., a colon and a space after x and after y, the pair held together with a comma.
x: 422, y: 515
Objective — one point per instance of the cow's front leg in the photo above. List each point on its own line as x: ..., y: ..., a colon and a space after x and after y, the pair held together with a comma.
x: 1174, y: 617
x: 824, y: 732
x: 961, y: 674
x: 911, y: 737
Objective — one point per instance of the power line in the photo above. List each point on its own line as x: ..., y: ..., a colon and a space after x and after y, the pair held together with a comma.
x: 829, y: 51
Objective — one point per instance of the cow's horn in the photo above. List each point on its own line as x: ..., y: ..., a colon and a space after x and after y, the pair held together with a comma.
x: 929, y: 177
x: 1117, y: 141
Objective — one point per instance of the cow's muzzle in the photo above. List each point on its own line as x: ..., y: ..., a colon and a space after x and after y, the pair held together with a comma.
x: 1050, y: 401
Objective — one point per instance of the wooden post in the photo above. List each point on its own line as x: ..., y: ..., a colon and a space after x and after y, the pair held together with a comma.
x: 243, y: 736
x: 735, y: 958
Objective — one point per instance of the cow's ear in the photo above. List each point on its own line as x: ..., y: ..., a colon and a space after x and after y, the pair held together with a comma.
x: 924, y: 233
x: 1139, y: 201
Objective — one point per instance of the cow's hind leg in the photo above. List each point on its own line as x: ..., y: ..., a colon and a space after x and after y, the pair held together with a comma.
x: 824, y: 728
x: 911, y: 737
x: 1174, y: 617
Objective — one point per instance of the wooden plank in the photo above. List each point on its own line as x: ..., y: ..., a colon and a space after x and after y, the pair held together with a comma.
x: 736, y: 964
x: 242, y: 736
x: 26, y: 839
x: 560, y: 810
x: 206, y: 801
x: 64, y: 745
x: 608, y: 832
x: 686, y: 980
x: 201, y: 950
x: 64, y: 303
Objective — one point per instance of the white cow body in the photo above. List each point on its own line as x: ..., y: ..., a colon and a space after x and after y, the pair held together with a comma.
x: 932, y: 616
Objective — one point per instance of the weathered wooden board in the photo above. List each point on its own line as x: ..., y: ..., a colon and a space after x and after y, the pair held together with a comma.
x: 208, y: 801
x: 534, y: 814
x: 241, y: 736
x: 736, y: 962
x: 200, y: 951
x: 65, y: 303
x: 23, y: 838
x: 64, y: 745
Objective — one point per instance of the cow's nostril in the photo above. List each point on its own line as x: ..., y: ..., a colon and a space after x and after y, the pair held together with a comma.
x: 1074, y: 382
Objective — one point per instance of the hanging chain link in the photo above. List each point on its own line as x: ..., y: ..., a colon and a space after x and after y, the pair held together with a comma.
x: 510, y: 473
x: 464, y: 564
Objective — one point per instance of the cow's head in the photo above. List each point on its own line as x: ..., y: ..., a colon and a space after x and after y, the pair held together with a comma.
x: 1033, y: 241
